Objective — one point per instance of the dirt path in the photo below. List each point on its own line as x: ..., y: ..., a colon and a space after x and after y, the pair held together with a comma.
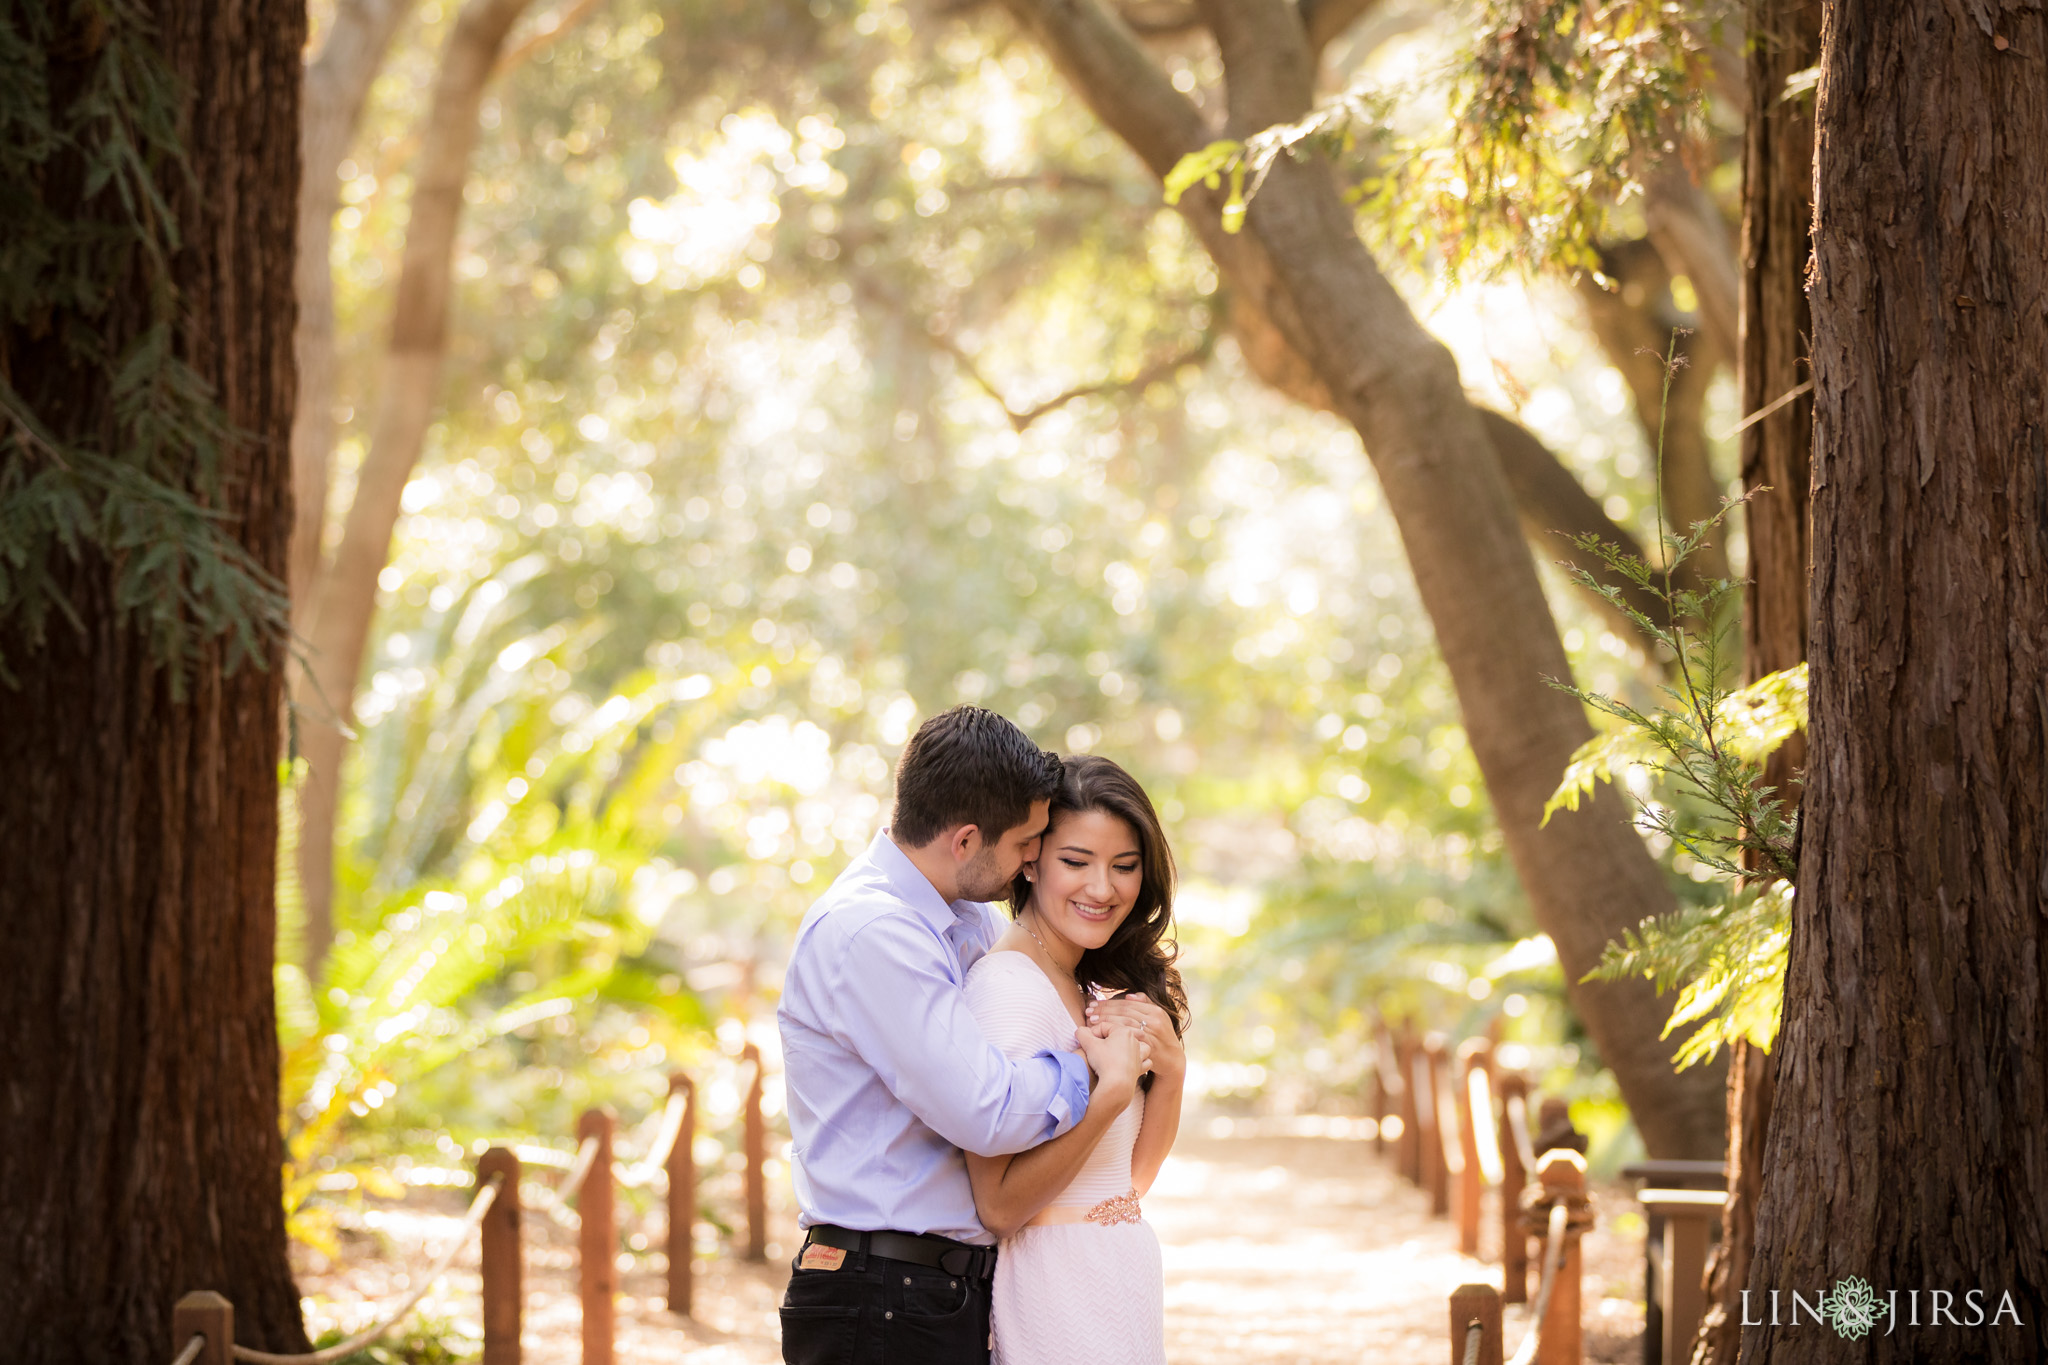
x: 1281, y: 1248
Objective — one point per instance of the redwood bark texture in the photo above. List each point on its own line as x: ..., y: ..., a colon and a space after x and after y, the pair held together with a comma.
x: 138, y: 825
x: 1587, y: 875
x: 1908, y: 1145
x: 1777, y: 221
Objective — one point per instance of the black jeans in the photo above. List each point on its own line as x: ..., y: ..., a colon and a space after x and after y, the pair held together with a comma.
x: 875, y: 1311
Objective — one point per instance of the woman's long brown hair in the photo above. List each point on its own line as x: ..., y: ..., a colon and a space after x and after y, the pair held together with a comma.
x: 1139, y: 956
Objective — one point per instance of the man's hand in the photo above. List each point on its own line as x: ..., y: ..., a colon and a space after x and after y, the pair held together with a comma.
x: 1118, y: 1054
x: 1168, y: 1059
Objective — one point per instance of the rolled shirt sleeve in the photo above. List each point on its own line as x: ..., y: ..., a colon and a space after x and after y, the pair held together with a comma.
x: 905, y: 1017
x: 889, y: 1075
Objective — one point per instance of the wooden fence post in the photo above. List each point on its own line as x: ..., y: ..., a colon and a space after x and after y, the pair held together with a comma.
x: 1408, y: 1155
x: 1688, y: 1217
x: 204, y: 1313
x: 1435, y: 1154
x: 1559, y: 1342
x: 1382, y: 1089
x: 598, y: 1240
x: 1473, y: 1057
x: 1481, y: 1303
x: 757, y: 1155
x: 501, y: 1259
x: 1514, y: 1258
x: 682, y: 1200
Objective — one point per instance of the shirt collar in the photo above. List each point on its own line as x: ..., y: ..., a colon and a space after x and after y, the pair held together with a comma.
x: 911, y: 884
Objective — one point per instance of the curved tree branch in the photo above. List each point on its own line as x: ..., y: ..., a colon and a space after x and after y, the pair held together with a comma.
x: 412, y: 370
x: 1690, y: 234
x: 1299, y: 261
x: 337, y: 82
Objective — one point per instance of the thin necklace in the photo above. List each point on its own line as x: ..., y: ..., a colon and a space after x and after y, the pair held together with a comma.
x: 1047, y: 951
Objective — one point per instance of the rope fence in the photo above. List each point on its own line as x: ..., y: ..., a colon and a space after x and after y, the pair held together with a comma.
x: 1454, y: 1130
x: 203, y: 1321
x: 1456, y: 1123
x: 486, y: 1195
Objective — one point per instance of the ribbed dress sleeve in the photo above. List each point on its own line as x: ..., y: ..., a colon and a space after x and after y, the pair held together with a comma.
x: 1014, y: 1004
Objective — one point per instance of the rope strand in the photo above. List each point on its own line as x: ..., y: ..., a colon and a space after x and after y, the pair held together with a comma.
x: 478, y: 1207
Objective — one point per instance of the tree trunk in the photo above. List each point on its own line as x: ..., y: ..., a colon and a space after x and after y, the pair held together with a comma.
x: 337, y: 82
x: 411, y: 379
x: 1550, y: 502
x: 138, y: 822
x: 1588, y: 875
x: 1635, y: 324
x: 1913, y: 1065
x: 1777, y: 192
x: 1692, y: 237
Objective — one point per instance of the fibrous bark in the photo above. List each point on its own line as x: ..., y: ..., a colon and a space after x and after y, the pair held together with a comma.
x: 1300, y: 262
x: 139, y: 1147
x: 1906, y: 1147
x: 1777, y: 193
x: 409, y: 385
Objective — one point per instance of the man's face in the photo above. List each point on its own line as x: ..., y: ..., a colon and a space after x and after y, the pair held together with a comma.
x: 993, y: 867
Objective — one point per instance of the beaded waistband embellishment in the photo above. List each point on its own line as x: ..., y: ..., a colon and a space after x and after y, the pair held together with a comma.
x: 1123, y: 1208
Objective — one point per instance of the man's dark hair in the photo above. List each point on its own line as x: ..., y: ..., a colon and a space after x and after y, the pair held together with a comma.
x: 968, y: 766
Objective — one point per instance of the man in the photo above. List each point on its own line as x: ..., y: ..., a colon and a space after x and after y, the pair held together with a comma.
x: 889, y: 1076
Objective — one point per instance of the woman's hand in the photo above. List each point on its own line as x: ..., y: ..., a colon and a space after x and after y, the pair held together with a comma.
x: 1118, y: 1054
x: 1169, y: 1059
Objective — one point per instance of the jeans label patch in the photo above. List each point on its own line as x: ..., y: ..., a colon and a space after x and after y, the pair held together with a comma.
x: 817, y: 1257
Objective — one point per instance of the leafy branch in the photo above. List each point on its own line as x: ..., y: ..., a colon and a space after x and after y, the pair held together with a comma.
x: 1558, y: 111
x: 86, y: 157
x: 1706, y: 746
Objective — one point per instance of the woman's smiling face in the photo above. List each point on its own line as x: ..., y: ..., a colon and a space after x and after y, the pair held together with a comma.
x: 1088, y: 877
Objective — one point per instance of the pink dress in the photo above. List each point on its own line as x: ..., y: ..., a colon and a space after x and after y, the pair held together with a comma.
x: 1071, y: 1291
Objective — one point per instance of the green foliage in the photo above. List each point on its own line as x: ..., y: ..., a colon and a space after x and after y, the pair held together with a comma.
x: 421, y: 1340
x: 1726, y: 960
x: 722, y: 499
x: 1710, y: 743
x: 1706, y: 749
x: 1207, y: 167
x: 1553, y: 115
x: 89, y: 156
x: 1749, y: 723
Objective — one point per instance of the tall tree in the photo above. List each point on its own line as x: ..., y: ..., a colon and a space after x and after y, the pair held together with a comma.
x: 1777, y: 217
x: 1913, y: 1062
x: 1300, y: 265
x: 338, y: 82
x: 138, y: 825
x: 339, y: 620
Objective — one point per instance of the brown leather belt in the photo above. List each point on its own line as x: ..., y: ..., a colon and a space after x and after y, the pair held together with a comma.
x: 936, y: 1253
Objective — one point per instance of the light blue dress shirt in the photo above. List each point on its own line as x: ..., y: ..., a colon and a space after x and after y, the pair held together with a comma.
x: 888, y: 1075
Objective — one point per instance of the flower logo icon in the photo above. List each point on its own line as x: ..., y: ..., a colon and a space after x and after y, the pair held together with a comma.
x: 1852, y: 1309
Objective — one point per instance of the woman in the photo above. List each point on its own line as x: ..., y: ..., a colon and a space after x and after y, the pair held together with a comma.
x: 1078, y: 1277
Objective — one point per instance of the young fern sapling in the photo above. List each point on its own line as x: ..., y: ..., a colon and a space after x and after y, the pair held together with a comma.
x: 1706, y: 748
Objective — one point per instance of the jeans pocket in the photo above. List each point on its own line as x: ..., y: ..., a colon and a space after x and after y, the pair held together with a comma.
x: 941, y: 1320
x: 821, y: 1319
x: 819, y: 1336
